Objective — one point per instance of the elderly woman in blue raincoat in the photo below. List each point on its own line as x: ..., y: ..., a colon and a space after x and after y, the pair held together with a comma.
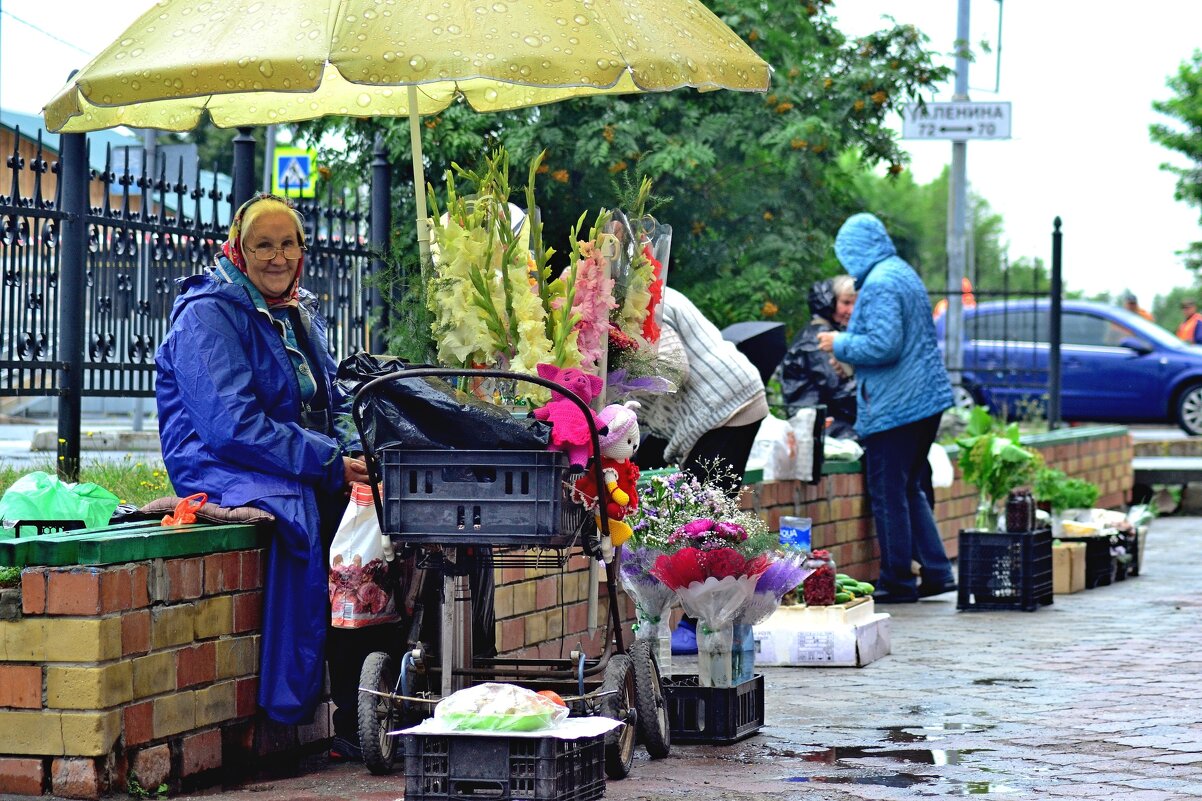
x: 249, y: 413
x: 902, y: 391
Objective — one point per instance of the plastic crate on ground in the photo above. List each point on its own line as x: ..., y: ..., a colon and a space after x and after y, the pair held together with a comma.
x: 713, y: 715
x: 1002, y: 570
x: 501, y: 498
x: 1100, y: 565
x: 446, y: 767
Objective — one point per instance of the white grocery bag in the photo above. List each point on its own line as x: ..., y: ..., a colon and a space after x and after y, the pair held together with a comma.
x: 774, y: 449
x: 361, y: 583
x: 942, y: 474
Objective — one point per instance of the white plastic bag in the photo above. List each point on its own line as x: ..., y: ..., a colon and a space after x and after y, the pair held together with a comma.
x: 942, y: 474
x: 774, y: 449
x: 835, y: 449
x: 362, y: 587
x: 493, y: 706
x: 802, y: 424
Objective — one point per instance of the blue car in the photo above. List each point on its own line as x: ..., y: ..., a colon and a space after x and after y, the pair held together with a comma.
x: 1115, y: 365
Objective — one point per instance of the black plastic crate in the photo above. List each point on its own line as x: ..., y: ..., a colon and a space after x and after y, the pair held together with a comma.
x: 1100, y: 564
x: 713, y: 715
x: 40, y: 527
x: 1135, y: 546
x: 1005, y: 570
x: 502, y: 498
x: 463, y: 766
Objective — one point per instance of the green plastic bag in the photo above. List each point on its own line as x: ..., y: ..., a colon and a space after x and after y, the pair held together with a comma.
x: 41, y: 496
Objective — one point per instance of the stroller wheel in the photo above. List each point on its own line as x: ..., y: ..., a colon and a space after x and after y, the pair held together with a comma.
x: 619, y: 704
x: 378, y: 715
x: 654, y: 726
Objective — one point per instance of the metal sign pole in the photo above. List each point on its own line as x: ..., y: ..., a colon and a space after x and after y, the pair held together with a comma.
x: 957, y: 251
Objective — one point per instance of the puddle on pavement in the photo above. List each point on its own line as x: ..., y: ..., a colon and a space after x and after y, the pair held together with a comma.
x: 920, y: 756
x: 1020, y: 683
x: 906, y: 780
x: 919, y: 734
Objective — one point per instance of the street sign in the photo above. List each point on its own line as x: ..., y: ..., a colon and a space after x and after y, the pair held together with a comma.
x: 958, y: 121
x: 295, y: 173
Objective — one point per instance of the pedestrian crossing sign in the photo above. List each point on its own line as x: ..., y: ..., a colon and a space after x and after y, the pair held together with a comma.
x: 295, y: 173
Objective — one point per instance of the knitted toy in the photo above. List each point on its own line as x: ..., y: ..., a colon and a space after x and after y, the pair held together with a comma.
x: 618, y: 447
x: 569, y: 429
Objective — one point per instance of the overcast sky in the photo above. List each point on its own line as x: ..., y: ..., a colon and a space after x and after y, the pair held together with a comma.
x: 1081, y: 78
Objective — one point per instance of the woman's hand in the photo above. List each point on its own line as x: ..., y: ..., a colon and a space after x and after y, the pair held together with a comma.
x: 353, y: 470
x: 826, y: 341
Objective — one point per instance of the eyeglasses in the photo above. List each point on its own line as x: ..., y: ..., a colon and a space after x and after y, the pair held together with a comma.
x: 291, y: 252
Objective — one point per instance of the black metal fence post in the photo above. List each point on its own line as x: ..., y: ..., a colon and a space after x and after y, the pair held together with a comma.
x: 1054, y: 331
x: 75, y: 174
x: 381, y: 234
x: 244, y: 167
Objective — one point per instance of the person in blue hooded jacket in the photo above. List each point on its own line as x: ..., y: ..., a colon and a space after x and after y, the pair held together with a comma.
x: 249, y: 413
x: 902, y: 391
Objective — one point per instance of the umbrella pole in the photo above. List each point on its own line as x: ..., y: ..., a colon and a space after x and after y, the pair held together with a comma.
x: 419, y: 178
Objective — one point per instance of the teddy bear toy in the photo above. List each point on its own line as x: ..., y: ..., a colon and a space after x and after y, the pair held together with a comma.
x: 618, y: 446
x: 569, y: 429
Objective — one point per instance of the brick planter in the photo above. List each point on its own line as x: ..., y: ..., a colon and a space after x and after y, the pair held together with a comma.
x: 145, y: 669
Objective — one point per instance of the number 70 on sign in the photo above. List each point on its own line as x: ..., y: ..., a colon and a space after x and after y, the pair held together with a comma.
x: 957, y: 121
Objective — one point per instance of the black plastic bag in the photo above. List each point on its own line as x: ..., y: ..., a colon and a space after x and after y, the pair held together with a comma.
x: 428, y: 413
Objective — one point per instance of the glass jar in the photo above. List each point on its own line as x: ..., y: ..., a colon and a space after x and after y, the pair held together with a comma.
x: 819, y: 587
x: 1020, y: 511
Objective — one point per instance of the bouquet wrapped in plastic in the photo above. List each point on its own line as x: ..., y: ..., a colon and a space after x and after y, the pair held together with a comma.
x: 784, y: 574
x: 715, y: 573
x: 653, y: 600
x: 637, y: 317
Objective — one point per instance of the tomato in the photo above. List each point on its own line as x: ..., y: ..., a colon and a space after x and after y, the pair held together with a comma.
x: 553, y: 696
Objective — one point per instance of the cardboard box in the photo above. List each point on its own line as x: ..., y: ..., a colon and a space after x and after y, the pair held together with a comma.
x: 822, y: 617
x: 1068, y: 567
x: 845, y: 645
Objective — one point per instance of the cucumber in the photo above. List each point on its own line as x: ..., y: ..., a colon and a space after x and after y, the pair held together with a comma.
x: 866, y: 589
x: 842, y: 597
x: 843, y: 577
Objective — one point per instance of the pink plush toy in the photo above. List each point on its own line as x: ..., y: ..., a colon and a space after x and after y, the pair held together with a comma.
x: 569, y: 429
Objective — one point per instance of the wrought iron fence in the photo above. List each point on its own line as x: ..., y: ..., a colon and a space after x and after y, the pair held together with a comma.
x: 145, y: 233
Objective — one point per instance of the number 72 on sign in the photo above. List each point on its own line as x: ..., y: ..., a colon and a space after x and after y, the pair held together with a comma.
x: 957, y: 120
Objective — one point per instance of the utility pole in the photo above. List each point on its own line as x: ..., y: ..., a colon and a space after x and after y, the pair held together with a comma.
x: 957, y: 248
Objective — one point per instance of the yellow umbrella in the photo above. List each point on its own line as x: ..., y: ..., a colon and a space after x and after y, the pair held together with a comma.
x: 258, y: 62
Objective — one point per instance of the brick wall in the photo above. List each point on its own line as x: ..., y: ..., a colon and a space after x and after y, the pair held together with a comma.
x: 534, y: 621
x: 145, y: 669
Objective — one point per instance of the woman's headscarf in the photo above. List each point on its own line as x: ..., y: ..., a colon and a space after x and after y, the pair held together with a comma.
x: 233, y: 246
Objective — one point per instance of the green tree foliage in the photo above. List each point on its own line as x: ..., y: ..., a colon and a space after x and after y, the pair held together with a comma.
x: 1185, y: 107
x: 756, y: 180
x: 1167, y: 308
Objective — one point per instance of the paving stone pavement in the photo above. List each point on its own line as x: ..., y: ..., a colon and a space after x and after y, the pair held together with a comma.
x: 1098, y: 696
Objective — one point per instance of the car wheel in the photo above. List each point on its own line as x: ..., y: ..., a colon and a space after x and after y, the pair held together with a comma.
x: 1189, y: 410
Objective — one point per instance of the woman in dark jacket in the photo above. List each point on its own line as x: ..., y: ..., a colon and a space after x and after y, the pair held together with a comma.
x: 807, y: 376
x: 249, y: 413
